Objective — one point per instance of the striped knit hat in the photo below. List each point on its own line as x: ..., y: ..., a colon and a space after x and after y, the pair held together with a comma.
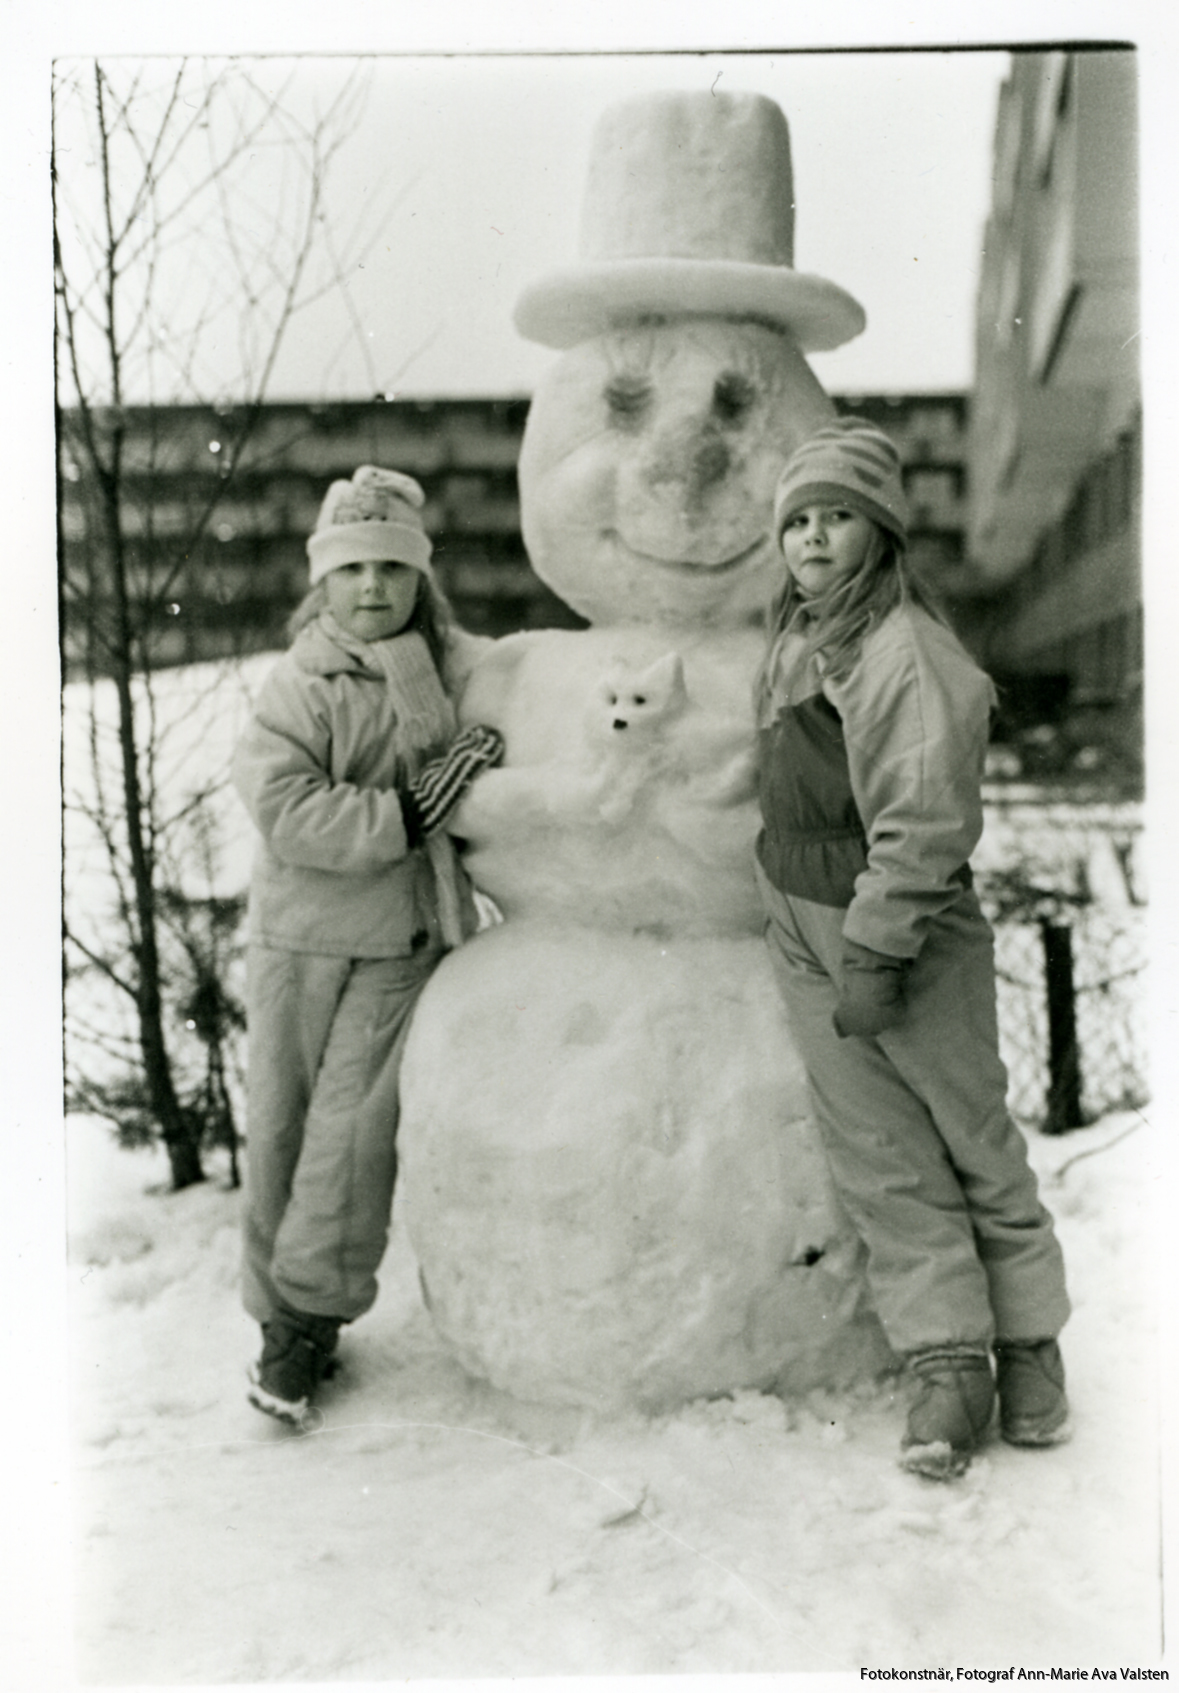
x: 849, y: 460
x: 377, y: 515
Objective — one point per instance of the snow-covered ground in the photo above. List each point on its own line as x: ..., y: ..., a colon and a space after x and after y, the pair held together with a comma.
x: 431, y: 1527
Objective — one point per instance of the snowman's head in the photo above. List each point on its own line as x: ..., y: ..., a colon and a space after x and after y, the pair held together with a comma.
x: 649, y: 464
x: 653, y: 446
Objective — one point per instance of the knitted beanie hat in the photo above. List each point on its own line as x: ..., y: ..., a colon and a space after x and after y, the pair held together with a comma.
x: 377, y: 515
x: 850, y: 461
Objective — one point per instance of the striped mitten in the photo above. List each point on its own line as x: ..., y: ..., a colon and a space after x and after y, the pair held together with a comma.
x: 438, y: 786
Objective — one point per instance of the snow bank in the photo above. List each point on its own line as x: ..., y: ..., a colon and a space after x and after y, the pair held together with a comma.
x: 432, y: 1527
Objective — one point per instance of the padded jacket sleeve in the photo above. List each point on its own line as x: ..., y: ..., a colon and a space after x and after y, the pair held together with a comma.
x: 916, y: 718
x: 282, y: 770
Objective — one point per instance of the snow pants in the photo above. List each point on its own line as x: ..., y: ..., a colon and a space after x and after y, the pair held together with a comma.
x: 926, y: 1159
x: 326, y: 1037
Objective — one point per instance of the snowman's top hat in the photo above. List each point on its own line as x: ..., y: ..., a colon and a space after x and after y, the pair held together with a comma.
x: 688, y: 208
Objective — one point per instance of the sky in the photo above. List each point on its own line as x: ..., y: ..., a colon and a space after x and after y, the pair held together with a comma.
x: 485, y: 159
x: 463, y: 182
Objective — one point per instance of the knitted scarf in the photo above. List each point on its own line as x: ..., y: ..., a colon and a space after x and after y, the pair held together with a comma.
x: 426, y: 724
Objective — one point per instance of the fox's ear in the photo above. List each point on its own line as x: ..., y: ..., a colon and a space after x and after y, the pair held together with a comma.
x: 664, y: 678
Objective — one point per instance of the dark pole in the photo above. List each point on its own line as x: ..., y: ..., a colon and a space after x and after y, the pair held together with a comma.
x: 1064, y: 1067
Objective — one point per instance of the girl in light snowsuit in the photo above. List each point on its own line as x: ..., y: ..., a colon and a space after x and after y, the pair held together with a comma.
x: 873, y: 726
x: 349, y: 767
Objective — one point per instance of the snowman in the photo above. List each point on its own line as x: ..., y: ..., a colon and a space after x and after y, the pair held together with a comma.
x: 609, y: 1178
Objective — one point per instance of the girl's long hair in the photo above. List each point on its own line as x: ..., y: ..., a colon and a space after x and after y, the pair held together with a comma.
x: 432, y: 617
x: 834, y: 624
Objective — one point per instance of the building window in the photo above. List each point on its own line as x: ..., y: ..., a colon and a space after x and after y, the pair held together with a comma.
x: 1046, y: 352
x: 1056, y: 292
x: 1007, y: 148
x: 932, y: 493
x: 1052, y: 100
x: 931, y: 429
x: 1007, y: 307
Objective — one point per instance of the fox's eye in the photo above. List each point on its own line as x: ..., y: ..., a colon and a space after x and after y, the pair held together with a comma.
x: 640, y: 699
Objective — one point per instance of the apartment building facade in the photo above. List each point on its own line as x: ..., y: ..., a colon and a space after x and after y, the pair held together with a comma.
x: 215, y: 538
x: 1053, y: 588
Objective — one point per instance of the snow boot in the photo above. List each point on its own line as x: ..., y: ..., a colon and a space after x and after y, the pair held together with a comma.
x: 1033, y: 1408
x: 951, y: 1414
x: 296, y: 1356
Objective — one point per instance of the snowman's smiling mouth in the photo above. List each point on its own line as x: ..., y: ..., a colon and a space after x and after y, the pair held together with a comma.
x: 687, y: 566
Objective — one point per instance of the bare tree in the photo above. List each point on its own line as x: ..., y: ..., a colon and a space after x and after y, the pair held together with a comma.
x: 190, y: 212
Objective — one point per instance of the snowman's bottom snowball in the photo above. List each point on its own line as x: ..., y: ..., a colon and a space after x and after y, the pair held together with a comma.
x: 610, y: 1180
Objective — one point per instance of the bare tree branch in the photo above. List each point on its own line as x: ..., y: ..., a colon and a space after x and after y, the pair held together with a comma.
x: 102, y: 963
x: 164, y: 235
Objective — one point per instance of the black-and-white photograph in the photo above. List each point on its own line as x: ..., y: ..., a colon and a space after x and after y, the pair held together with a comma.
x: 609, y: 1106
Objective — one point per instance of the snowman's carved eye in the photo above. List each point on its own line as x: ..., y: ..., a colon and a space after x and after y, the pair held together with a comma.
x: 627, y: 398
x: 732, y: 396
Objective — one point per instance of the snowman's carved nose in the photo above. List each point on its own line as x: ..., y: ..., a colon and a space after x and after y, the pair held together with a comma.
x: 711, y: 463
x: 693, y: 461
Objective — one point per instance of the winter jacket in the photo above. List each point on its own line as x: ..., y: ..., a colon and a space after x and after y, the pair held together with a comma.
x: 870, y: 786
x: 318, y: 769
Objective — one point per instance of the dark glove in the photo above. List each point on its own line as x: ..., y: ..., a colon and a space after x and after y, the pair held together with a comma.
x: 432, y: 795
x: 871, y: 991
